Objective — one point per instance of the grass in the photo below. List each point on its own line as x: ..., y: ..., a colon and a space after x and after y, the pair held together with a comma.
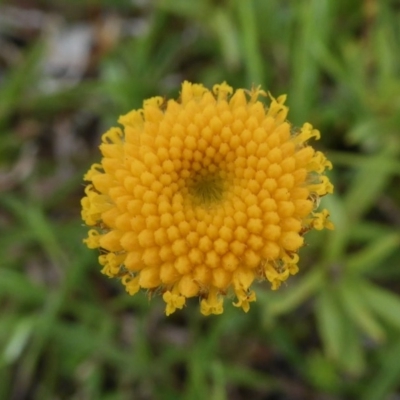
x: 67, y: 332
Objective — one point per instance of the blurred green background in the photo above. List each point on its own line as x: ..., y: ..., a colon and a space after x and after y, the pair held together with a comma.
x: 68, y: 69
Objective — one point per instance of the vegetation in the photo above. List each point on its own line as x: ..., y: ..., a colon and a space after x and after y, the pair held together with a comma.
x: 68, y: 332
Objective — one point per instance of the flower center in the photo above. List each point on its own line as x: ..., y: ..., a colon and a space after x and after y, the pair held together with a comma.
x: 206, y: 189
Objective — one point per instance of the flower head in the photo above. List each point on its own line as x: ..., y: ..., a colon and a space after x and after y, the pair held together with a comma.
x: 199, y: 197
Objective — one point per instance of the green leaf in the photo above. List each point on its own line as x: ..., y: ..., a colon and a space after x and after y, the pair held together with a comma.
x: 250, y: 42
x: 288, y: 299
x: 19, y: 339
x: 225, y: 30
x: 305, y: 71
x: 12, y: 281
x: 368, y: 184
x: 384, y: 303
x: 331, y: 324
x: 338, y: 333
x: 353, y: 303
x: 352, y: 357
x: 373, y: 255
x: 20, y: 78
x: 322, y: 373
x: 355, y: 160
x: 185, y: 9
x: 365, y: 133
x: 386, y: 378
x: 250, y: 378
x: 367, y: 231
x: 217, y: 373
x: 35, y: 221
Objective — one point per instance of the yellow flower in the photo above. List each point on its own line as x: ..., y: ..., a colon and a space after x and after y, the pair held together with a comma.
x: 199, y: 197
